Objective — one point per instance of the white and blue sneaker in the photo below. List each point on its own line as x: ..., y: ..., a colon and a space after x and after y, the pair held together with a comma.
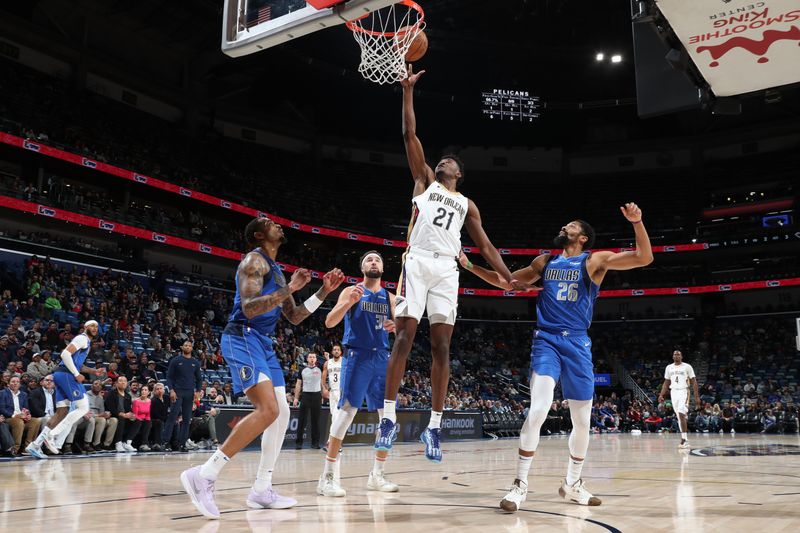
x: 35, y: 451
x: 388, y: 434
x: 433, y: 449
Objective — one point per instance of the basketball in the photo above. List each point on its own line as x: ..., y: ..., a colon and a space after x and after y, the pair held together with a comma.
x: 418, y: 46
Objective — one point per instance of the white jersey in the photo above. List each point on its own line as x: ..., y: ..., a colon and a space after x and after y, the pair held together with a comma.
x: 438, y: 218
x: 679, y: 375
x: 334, y: 374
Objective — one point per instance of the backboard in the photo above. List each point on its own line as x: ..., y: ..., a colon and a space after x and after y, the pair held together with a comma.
x: 252, y: 25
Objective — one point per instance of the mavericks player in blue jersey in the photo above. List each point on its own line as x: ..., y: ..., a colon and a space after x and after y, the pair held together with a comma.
x: 262, y: 294
x: 69, y: 389
x: 367, y: 309
x: 561, y: 347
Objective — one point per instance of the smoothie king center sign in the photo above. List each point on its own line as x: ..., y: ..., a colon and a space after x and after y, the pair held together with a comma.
x: 739, y: 45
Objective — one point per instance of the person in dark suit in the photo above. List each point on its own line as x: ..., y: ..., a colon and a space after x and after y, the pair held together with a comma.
x: 14, y: 407
x: 119, y: 404
x: 42, y: 400
x: 183, y: 380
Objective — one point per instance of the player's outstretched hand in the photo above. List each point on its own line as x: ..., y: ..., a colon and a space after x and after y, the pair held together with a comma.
x: 331, y: 280
x: 463, y: 260
x: 300, y: 279
x: 411, y: 79
x: 523, y: 287
x: 631, y: 212
x: 356, y: 294
x: 388, y: 325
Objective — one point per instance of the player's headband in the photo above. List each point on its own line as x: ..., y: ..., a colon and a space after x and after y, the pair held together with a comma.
x: 90, y: 323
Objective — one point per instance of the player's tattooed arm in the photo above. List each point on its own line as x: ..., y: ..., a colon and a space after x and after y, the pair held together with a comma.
x: 250, y: 276
x: 297, y: 313
x: 347, y: 299
x: 420, y: 170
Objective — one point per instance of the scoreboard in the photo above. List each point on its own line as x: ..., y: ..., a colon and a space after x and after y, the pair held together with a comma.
x: 510, y: 106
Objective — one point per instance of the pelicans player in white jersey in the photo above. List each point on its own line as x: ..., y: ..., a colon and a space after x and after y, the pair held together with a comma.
x: 429, y: 276
x: 331, y: 377
x: 678, y: 376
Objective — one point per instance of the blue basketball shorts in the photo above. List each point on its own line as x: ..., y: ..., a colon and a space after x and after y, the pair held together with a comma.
x: 249, y: 354
x: 67, y: 387
x: 364, y: 377
x: 566, y: 357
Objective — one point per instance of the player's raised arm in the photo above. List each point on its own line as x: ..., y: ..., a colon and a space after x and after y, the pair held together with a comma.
x: 420, y: 171
x: 347, y: 299
x: 297, y: 313
x: 600, y: 262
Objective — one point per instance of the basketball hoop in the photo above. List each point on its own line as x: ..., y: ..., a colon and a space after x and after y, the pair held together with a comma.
x: 384, y: 36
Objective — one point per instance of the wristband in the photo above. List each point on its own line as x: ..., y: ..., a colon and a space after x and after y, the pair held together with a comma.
x: 469, y: 265
x: 637, y: 222
x: 313, y: 303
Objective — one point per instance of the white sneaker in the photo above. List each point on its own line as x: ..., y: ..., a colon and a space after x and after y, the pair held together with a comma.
x: 684, y: 445
x: 120, y: 448
x: 51, y: 445
x: 517, y: 494
x: 733, y: 431
x: 378, y: 482
x: 577, y: 493
x: 328, y: 486
x: 190, y: 445
x: 128, y: 448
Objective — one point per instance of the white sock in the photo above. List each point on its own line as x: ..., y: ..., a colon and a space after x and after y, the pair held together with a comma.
x: 574, y: 470
x: 330, y: 466
x: 684, y: 436
x: 212, y: 467
x: 271, y: 441
x: 388, y: 410
x: 129, y: 442
x: 379, y: 463
x: 524, y: 467
x: 436, y: 420
x: 263, y: 481
x: 43, y: 435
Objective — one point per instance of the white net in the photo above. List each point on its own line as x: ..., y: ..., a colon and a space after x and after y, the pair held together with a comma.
x: 385, y: 36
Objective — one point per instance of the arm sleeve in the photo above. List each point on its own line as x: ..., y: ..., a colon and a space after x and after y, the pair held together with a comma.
x: 66, y: 358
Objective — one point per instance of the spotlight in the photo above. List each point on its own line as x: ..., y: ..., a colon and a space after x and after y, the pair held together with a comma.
x: 616, y: 58
x: 599, y: 57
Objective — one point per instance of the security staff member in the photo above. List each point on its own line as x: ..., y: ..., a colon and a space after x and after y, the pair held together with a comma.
x: 311, y: 400
x: 183, y: 380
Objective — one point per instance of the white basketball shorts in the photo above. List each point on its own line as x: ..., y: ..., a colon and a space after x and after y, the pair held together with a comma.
x: 680, y: 403
x: 428, y: 280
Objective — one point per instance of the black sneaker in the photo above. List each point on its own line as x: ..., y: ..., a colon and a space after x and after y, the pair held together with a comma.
x: 88, y: 448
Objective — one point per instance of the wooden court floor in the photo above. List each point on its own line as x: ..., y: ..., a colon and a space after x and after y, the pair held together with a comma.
x: 726, y: 483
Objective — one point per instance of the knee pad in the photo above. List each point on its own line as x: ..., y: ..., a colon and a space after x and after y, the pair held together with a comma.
x: 343, y: 420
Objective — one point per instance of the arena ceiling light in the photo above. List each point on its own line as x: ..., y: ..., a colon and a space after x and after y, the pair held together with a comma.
x: 616, y: 58
x: 600, y: 56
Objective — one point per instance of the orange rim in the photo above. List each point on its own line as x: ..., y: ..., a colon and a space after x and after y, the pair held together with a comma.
x: 413, y: 5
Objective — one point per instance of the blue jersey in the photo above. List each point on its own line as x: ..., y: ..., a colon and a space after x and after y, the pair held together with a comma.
x: 567, y: 301
x: 265, y: 323
x: 363, y: 323
x: 83, y: 345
